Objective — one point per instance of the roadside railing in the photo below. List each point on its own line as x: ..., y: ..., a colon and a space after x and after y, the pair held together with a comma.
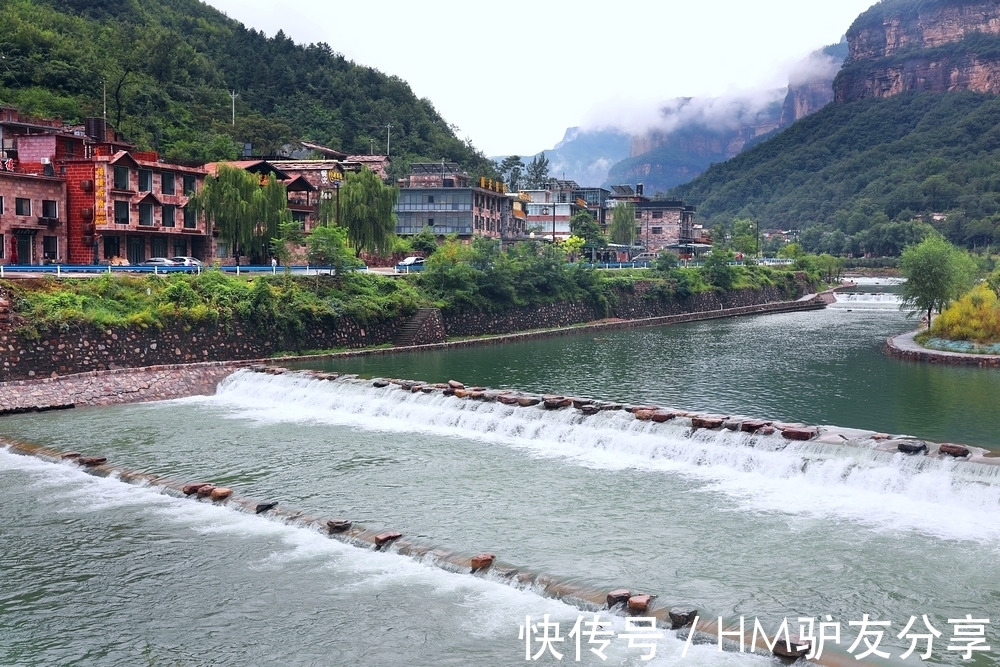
x: 60, y: 270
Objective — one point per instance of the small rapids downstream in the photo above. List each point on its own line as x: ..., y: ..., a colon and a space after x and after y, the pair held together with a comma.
x: 97, y: 571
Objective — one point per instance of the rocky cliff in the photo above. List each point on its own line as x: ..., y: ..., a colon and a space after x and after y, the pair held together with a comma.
x: 934, y: 45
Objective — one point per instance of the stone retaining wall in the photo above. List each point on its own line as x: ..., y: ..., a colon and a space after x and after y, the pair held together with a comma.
x: 905, y: 347
x: 132, y: 385
x: 78, y: 349
x: 633, y: 304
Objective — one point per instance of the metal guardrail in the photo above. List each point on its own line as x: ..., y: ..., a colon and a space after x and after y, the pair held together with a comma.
x: 60, y: 270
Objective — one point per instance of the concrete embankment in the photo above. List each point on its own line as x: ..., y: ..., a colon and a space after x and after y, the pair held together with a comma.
x: 905, y: 347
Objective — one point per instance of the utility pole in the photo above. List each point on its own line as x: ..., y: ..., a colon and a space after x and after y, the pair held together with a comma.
x: 371, y: 147
x: 105, y: 104
x: 387, y: 128
x: 233, y: 94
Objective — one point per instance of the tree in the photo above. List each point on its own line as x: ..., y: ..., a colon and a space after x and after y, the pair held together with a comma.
x: 744, y: 238
x: 936, y: 272
x: 512, y: 172
x: 327, y: 246
x: 622, y: 229
x: 573, y: 245
x: 289, y: 233
x: 717, y: 269
x: 425, y: 241
x: 583, y: 225
x: 536, y: 174
x: 367, y: 211
x: 245, y: 214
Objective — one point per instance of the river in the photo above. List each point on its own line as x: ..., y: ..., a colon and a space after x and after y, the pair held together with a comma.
x: 99, y: 572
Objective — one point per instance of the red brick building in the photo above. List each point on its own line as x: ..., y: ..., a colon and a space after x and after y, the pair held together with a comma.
x: 129, y: 205
x: 82, y: 195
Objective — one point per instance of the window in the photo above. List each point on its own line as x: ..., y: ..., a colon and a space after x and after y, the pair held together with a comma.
x: 70, y: 148
x: 121, y: 178
x: 169, y: 216
x: 50, y: 209
x: 430, y: 199
x: 111, y: 247
x: 145, y: 214
x: 222, y: 250
x: 430, y: 222
x: 189, y: 185
x: 299, y: 217
x: 167, y: 183
x: 638, y: 214
x: 121, y: 213
x: 657, y: 215
x: 2, y: 246
x: 657, y: 230
x: 1, y: 210
x: 145, y: 180
x: 50, y: 248
x: 180, y: 247
x: 22, y: 206
x: 190, y: 219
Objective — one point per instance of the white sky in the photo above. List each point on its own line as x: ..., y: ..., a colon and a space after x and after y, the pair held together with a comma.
x: 514, y: 75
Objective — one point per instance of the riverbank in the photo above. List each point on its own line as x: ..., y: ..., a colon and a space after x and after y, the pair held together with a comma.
x: 905, y: 347
x: 169, y: 381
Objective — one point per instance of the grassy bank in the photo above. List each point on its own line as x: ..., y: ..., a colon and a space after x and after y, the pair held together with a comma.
x: 286, y: 303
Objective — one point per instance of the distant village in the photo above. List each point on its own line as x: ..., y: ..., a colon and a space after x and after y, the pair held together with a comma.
x: 82, y: 194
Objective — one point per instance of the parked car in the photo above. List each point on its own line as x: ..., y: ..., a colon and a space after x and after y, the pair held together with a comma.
x: 410, y: 264
x: 187, y: 261
x: 159, y: 261
x: 645, y: 257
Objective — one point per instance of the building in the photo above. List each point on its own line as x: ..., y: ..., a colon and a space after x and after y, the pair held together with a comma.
x: 550, y: 210
x: 441, y: 197
x: 81, y: 194
x: 130, y: 205
x: 660, y: 223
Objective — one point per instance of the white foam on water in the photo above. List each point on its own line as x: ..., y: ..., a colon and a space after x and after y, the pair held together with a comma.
x: 867, y: 301
x: 490, y: 610
x: 953, y: 500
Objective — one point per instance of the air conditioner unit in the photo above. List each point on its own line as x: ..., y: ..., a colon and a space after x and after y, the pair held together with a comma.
x: 46, y: 160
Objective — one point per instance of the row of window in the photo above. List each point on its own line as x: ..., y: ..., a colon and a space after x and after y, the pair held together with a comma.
x: 26, y: 248
x: 135, y: 247
x: 168, y: 215
x: 434, y: 207
x: 22, y: 206
x: 439, y: 198
x: 168, y: 181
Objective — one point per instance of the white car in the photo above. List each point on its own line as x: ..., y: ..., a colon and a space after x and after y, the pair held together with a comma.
x: 411, y: 261
x: 187, y: 261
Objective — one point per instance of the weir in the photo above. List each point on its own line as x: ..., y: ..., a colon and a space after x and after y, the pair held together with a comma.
x: 575, y: 592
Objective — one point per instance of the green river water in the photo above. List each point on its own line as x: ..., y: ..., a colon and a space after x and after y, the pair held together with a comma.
x: 99, y: 572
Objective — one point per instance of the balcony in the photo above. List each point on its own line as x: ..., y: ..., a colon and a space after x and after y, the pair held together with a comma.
x: 49, y: 222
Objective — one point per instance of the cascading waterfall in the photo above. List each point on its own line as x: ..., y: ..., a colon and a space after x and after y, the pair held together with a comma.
x: 954, y: 499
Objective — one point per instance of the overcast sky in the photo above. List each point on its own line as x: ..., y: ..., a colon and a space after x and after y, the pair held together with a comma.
x: 514, y: 75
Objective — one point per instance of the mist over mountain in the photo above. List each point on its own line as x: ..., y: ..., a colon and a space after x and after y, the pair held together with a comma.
x: 664, y: 145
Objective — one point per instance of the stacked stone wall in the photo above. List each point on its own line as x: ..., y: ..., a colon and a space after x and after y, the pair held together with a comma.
x: 78, y: 349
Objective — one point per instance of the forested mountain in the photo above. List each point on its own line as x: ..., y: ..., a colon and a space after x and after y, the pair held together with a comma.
x: 169, y: 67
x: 912, y: 138
x: 851, y: 167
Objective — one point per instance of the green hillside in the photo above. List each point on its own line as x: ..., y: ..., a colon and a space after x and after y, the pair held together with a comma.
x: 851, y: 175
x: 170, y: 64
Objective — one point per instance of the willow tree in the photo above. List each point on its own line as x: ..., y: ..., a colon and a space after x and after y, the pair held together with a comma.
x: 622, y: 229
x: 246, y: 214
x: 367, y: 211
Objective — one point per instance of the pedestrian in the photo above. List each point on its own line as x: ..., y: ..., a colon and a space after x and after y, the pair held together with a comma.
x: 274, y: 262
